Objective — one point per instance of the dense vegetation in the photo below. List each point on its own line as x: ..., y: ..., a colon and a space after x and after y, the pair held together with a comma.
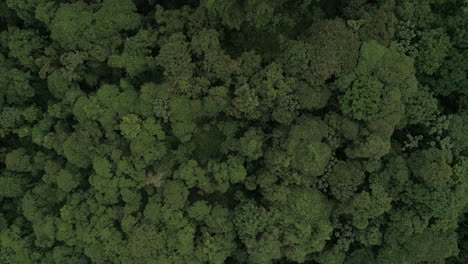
x: 230, y: 131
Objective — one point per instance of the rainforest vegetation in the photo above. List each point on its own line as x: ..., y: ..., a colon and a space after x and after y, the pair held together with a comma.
x: 234, y: 131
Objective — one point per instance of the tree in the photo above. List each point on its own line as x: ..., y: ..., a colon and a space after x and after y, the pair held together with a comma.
x: 130, y: 126
x: 77, y: 26
x: 175, y: 58
x: 136, y: 57
x: 333, y: 50
x: 18, y: 160
x: 209, y: 132
x: 314, y: 153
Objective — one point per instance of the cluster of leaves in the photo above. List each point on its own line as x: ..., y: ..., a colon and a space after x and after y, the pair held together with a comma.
x: 228, y: 131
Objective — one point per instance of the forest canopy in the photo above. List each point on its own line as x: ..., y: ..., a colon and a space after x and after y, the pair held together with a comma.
x: 234, y: 131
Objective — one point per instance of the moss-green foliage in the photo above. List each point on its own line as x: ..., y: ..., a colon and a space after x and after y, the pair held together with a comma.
x: 229, y: 131
x: 333, y: 50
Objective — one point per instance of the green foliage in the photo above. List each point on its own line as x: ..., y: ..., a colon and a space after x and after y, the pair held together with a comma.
x: 251, y: 144
x: 334, y: 50
x: 147, y: 147
x: 17, y: 86
x: 226, y: 131
x: 451, y: 76
x: 344, y: 179
x: 377, y: 96
x: 78, y: 26
x: 130, y: 126
x: 136, y: 57
x: 309, y: 154
x: 263, y: 15
x: 421, y: 107
x: 24, y: 45
x: 311, y: 97
x: 18, y: 160
x: 364, y: 99
x: 182, y: 117
x: 67, y: 181
x: 434, y: 46
x: 367, y: 206
x: 13, y: 185
x: 175, y: 58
